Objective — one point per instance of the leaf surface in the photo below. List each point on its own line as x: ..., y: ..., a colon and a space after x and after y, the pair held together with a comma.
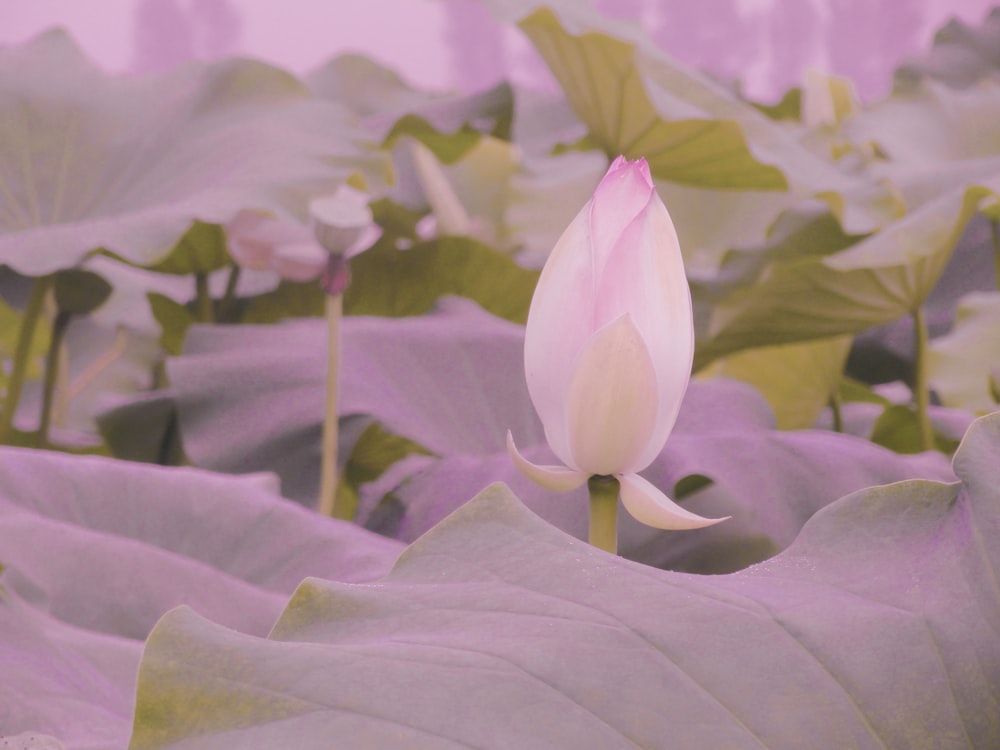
x: 876, y: 628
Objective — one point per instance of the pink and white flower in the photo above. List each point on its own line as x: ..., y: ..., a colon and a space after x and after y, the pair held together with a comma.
x: 609, y: 345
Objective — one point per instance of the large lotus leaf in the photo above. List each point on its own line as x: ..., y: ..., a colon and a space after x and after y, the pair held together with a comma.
x: 90, y: 160
x: 252, y: 397
x: 387, y: 107
x: 799, y: 297
x: 64, y: 680
x: 876, y: 628
x: 603, y: 81
x: 885, y: 353
x: 798, y: 380
x: 964, y: 365
x: 545, y: 196
x: 933, y: 123
x: 96, y: 550
x: 710, y: 222
x: 961, y: 54
x: 388, y: 280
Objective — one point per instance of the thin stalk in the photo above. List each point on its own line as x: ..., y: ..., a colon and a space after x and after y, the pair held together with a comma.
x: 836, y: 404
x: 995, y: 234
x: 94, y: 370
x: 328, y: 504
x: 225, y: 306
x: 921, y: 388
x: 15, y: 383
x: 203, y: 299
x: 59, y: 328
x: 604, y: 513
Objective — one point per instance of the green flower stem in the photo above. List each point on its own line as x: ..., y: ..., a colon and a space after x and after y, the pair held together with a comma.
x: 604, y: 513
x: 229, y: 296
x: 203, y: 299
x: 836, y: 407
x: 995, y: 233
x: 15, y: 383
x: 328, y: 504
x: 921, y: 388
x: 59, y: 328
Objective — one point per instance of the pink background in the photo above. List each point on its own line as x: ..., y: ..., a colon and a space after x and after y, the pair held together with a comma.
x: 455, y: 44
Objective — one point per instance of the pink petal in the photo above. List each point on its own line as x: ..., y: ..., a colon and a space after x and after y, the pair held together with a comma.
x: 613, y: 401
x: 623, y: 193
x: 251, y: 255
x: 560, y: 322
x: 301, y: 261
x: 554, y: 478
x: 645, y: 277
x: 650, y: 506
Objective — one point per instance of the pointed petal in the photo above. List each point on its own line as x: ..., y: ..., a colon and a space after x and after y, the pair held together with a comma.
x: 650, y: 506
x: 612, y: 401
x: 623, y: 194
x: 559, y: 323
x: 645, y: 278
x: 554, y: 478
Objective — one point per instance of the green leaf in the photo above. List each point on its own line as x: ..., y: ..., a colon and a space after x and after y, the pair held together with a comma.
x: 961, y: 363
x: 496, y: 630
x: 99, y: 161
x: 789, y: 108
x: 375, y: 451
x: 604, y: 82
x: 97, y: 550
x: 898, y: 429
x: 79, y: 292
x: 144, y: 428
x: 202, y: 249
x: 290, y: 299
x: 689, y: 485
x: 798, y: 380
x: 447, y: 147
x: 805, y: 296
x: 391, y: 282
x: 389, y: 107
x: 931, y: 123
x: 961, y: 54
x: 174, y: 319
x: 855, y: 391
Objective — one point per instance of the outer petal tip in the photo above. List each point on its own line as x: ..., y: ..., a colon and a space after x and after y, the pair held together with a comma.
x: 553, y: 478
x: 650, y: 506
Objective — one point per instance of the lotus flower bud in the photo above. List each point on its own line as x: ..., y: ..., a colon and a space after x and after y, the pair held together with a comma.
x: 342, y: 222
x: 609, y: 345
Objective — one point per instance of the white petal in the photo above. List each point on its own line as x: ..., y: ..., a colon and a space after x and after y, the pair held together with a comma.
x: 301, y: 261
x: 340, y: 220
x: 613, y: 401
x: 560, y: 322
x: 650, y: 506
x: 554, y: 478
x: 645, y: 277
x: 252, y: 255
